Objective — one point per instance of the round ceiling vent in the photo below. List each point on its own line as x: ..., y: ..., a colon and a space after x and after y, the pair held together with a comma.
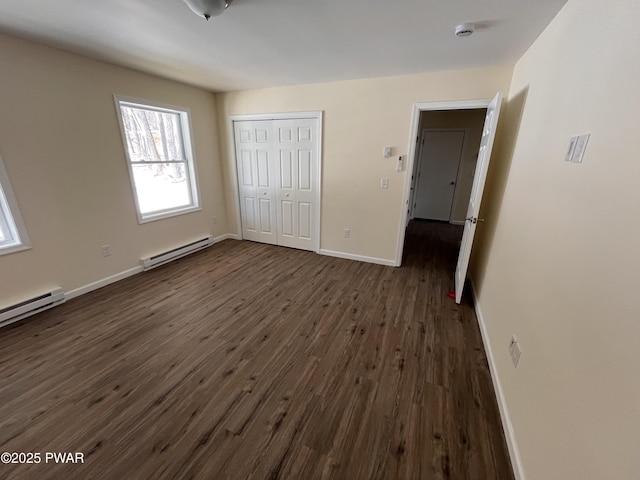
x: 465, y: 29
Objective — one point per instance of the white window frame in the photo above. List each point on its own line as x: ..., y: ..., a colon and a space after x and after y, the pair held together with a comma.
x: 10, y: 218
x: 187, y: 142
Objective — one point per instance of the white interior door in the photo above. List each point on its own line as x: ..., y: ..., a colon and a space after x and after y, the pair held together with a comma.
x: 278, y: 164
x: 294, y: 143
x: 486, y: 145
x: 256, y: 181
x: 438, y: 166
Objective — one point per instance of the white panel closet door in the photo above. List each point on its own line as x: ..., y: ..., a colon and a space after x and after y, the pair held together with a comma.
x: 295, y: 148
x: 279, y: 181
x: 256, y: 181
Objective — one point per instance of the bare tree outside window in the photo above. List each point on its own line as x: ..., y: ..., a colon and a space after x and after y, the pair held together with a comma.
x: 161, y: 170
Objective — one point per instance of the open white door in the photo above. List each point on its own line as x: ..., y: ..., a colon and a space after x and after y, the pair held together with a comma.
x: 486, y: 145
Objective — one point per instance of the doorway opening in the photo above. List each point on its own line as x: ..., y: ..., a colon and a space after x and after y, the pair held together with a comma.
x: 451, y: 144
x: 444, y: 164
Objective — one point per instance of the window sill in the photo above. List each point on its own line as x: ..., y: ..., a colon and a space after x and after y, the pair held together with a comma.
x: 162, y: 215
x: 6, y: 250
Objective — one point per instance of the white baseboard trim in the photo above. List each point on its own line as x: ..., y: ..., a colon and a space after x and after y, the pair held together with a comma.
x: 127, y: 273
x: 226, y: 236
x: 507, y: 426
x: 103, y: 283
x: 359, y: 258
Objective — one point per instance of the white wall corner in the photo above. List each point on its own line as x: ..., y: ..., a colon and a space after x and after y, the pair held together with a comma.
x: 507, y: 426
x: 226, y: 236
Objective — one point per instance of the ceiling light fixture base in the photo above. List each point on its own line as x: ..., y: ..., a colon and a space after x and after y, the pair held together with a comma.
x: 208, y: 8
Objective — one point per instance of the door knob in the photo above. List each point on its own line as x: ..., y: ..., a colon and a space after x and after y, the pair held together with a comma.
x: 264, y: 193
x: 287, y: 195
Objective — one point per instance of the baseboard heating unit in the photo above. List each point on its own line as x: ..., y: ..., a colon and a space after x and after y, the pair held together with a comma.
x: 32, y: 306
x: 170, y: 255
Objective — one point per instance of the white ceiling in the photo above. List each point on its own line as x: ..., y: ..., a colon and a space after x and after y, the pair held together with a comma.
x: 261, y: 43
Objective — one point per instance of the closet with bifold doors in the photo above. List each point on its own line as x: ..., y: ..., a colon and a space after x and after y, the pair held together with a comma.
x: 278, y: 168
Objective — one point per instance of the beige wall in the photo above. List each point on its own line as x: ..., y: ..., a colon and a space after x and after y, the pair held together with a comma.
x: 361, y: 118
x: 472, y: 121
x: 555, y: 263
x: 560, y: 264
x: 62, y: 148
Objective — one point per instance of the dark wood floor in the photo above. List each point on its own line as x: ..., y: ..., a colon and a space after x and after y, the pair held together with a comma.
x: 248, y: 361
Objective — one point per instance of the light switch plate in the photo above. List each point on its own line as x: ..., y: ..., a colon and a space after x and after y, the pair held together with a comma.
x: 572, y: 147
x: 387, y: 152
x: 581, y: 146
x: 384, y: 183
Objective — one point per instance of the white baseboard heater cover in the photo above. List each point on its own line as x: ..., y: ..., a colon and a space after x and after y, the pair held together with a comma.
x: 34, y: 305
x: 170, y: 255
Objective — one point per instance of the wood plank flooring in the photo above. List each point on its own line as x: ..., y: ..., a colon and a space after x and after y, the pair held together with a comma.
x: 249, y: 361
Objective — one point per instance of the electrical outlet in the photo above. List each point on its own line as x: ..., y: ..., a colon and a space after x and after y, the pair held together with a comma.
x: 106, y: 250
x: 514, y: 350
x: 347, y: 233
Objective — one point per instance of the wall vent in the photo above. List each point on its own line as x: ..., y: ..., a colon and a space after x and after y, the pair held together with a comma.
x: 175, y: 253
x: 31, y: 306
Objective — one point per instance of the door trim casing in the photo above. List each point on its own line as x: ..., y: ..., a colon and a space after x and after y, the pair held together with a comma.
x: 317, y: 115
x: 418, y: 108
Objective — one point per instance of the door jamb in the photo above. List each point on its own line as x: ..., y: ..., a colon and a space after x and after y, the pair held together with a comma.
x: 418, y: 108
x: 318, y: 115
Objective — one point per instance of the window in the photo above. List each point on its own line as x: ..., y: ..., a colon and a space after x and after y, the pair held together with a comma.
x: 13, y: 235
x: 158, y: 145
